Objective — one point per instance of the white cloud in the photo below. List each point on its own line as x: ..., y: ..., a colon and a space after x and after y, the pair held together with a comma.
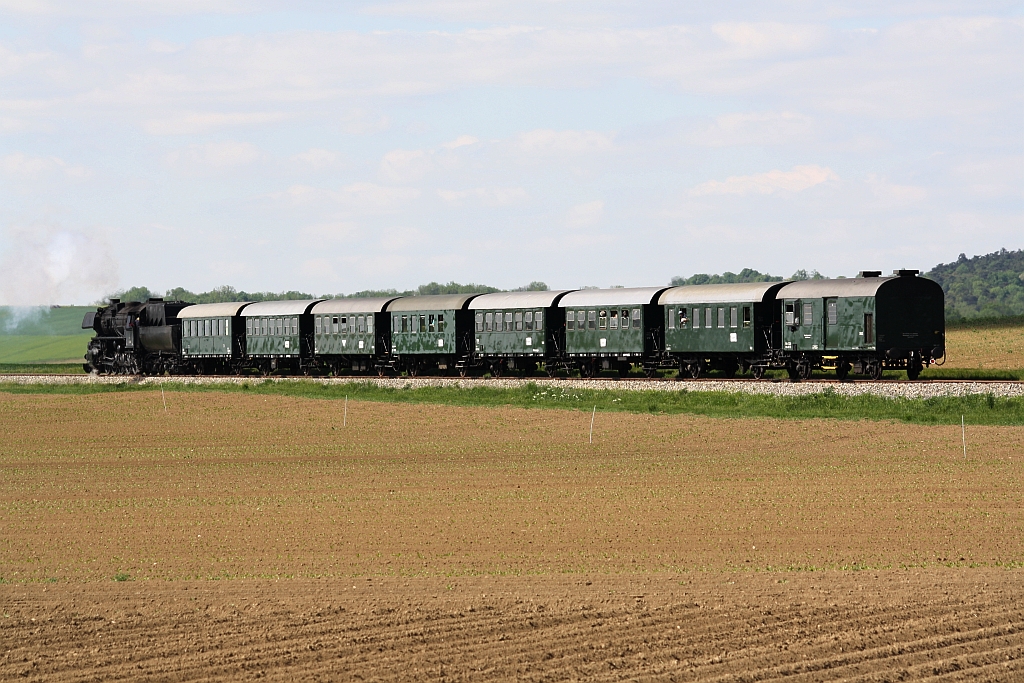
x: 21, y: 165
x: 546, y: 141
x: 891, y: 193
x: 337, y: 231
x: 757, y: 128
x: 764, y: 39
x: 797, y: 180
x: 216, y: 154
x: 485, y: 196
x: 195, y: 122
x: 402, y: 165
x: 317, y: 158
x: 583, y: 215
x: 376, y: 198
x: 460, y: 141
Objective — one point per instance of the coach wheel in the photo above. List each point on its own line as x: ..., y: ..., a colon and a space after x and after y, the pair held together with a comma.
x: 551, y: 369
x: 696, y: 369
x: 650, y: 371
x: 793, y: 370
x: 729, y: 369
x: 842, y: 369
x: 413, y: 369
x: 758, y: 371
x: 496, y: 369
x: 586, y: 370
x: 804, y: 369
x: 873, y: 369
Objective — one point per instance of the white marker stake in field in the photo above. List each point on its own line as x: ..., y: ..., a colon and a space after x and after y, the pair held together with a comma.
x: 592, y: 416
x: 163, y: 398
x: 963, y: 435
x: 344, y: 420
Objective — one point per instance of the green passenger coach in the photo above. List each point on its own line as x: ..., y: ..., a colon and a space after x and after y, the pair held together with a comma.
x: 725, y: 327
x: 431, y: 332
x: 613, y: 329
x: 212, y: 337
x: 865, y: 324
x: 517, y: 331
x: 279, y: 335
x: 352, y: 334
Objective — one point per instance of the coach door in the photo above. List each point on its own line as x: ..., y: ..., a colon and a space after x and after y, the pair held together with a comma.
x: 831, y: 323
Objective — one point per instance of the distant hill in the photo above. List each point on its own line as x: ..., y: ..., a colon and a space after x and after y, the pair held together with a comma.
x: 991, y: 285
x: 46, y: 321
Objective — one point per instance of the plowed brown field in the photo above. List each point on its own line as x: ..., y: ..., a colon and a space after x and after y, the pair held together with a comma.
x: 441, y: 542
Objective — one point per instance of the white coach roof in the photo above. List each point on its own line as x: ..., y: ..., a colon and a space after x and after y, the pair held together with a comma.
x: 270, y: 308
x: 619, y: 296
x: 518, y: 299
x: 224, y: 310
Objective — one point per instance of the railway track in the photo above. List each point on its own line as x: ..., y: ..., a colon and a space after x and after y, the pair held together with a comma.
x: 535, y: 378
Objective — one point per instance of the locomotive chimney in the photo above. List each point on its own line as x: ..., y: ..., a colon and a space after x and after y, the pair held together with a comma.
x: 905, y: 273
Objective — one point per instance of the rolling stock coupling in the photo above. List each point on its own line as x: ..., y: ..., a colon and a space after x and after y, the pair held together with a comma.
x: 863, y: 325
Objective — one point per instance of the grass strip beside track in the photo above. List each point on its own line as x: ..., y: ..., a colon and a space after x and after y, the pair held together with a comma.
x: 976, y: 409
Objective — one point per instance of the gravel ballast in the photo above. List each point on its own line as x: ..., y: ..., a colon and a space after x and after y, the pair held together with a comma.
x: 920, y: 389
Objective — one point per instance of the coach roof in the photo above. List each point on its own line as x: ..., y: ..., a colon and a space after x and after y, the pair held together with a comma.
x: 271, y: 308
x: 720, y: 293
x: 374, y: 304
x: 851, y: 286
x: 222, y: 310
x: 518, y: 299
x: 431, y: 302
x: 618, y: 296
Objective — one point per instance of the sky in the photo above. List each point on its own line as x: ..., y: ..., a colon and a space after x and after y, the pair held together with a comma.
x: 332, y: 147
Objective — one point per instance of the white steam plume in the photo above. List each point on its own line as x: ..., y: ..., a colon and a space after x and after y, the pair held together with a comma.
x: 45, y: 265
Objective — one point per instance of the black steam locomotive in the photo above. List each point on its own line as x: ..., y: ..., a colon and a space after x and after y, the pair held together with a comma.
x: 134, y: 338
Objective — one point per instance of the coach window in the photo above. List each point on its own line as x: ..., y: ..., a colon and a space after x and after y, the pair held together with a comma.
x: 508, y: 321
x: 708, y: 323
x: 528, y: 320
x: 519, y: 321
x: 431, y: 325
x: 869, y: 328
x: 734, y: 318
x: 790, y: 315
x: 479, y: 322
x: 248, y: 326
x: 440, y: 323
x: 592, y: 320
x: 721, y: 317
x: 636, y: 318
x: 613, y: 319
x: 369, y: 324
x: 362, y: 324
x: 602, y: 320
x: 423, y: 323
x: 570, y: 320
x: 405, y: 323
x: 746, y: 316
x: 488, y: 320
x: 316, y: 323
x: 671, y: 318
x: 808, y: 316
x: 538, y: 320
